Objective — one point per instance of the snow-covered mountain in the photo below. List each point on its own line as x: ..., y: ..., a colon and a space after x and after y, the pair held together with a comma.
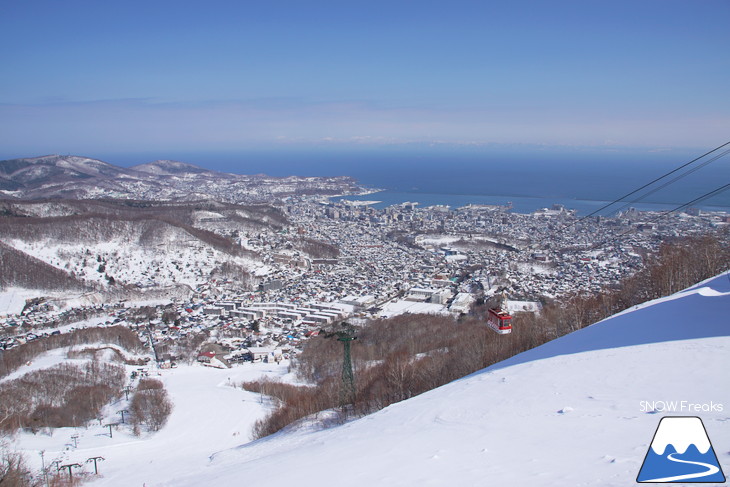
x: 580, y: 410
x: 71, y: 244
x: 53, y: 170
x: 168, y: 168
x: 58, y: 176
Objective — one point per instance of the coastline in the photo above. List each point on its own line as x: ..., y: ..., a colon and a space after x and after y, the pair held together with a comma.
x: 518, y: 204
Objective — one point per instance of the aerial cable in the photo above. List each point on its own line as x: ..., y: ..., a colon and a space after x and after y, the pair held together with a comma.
x: 674, y: 180
x: 668, y: 212
x: 658, y: 179
x: 621, y: 198
x: 705, y: 196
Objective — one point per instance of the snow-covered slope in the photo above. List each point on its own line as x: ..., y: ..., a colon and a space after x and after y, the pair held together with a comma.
x: 209, y: 415
x: 76, y: 177
x: 179, y: 258
x: 575, y: 411
x: 168, y: 168
x: 82, y: 244
x: 572, y: 412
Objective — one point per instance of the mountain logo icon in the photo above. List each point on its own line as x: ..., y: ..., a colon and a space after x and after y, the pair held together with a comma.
x: 681, y: 452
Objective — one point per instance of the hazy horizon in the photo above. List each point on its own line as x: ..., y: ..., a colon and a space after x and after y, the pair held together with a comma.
x: 312, y: 160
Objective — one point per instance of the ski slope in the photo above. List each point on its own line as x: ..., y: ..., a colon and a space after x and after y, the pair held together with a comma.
x: 210, y: 414
x: 566, y: 413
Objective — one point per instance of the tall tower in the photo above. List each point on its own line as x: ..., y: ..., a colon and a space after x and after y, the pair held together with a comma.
x: 347, y: 391
x: 347, y: 388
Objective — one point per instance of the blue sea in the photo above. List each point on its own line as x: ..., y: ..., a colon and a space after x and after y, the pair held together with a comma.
x: 530, y: 179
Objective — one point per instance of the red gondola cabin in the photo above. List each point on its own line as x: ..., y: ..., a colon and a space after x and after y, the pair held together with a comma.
x: 499, y: 321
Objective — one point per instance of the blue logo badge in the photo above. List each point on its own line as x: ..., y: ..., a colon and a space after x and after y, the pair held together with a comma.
x: 681, y: 452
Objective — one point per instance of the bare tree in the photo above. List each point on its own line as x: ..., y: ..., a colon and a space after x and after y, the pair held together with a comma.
x: 150, y: 406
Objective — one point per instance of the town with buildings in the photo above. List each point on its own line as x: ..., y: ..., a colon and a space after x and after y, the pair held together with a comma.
x: 367, y: 263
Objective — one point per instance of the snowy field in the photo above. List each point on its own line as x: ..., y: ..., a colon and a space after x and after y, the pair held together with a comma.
x: 402, y: 306
x: 571, y: 412
x: 12, y: 300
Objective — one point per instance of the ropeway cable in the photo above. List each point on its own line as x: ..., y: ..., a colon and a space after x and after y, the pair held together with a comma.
x: 668, y: 212
x: 674, y: 180
x: 621, y: 198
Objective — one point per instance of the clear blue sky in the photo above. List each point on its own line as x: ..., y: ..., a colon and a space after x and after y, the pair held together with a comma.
x: 86, y: 77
